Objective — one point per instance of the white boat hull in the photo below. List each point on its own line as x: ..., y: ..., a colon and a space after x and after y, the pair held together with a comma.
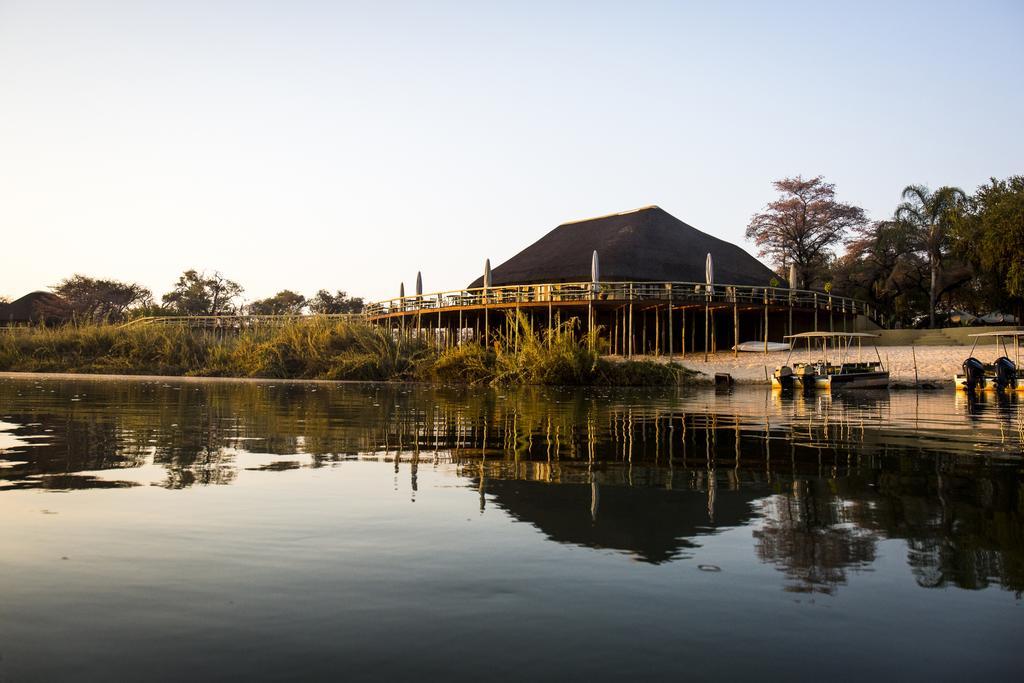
x: 759, y: 346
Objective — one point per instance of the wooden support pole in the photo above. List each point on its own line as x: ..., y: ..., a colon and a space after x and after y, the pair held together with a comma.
x: 766, y: 325
x: 705, y: 330
x: 630, y: 339
x: 643, y: 336
x: 735, y: 330
x: 682, y: 349
x: 550, y: 318
x: 657, y: 331
x: 670, y: 348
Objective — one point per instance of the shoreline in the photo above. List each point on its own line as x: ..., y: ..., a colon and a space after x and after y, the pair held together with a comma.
x: 936, y: 366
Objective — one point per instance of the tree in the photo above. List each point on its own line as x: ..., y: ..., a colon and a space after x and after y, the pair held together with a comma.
x: 931, y: 215
x: 197, y: 294
x: 99, y: 300
x: 285, y: 302
x: 881, y: 265
x: 990, y: 236
x: 802, y: 226
x: 326, y: 303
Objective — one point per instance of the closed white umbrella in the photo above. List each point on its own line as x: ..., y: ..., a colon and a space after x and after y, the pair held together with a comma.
x: 709, y: 278
x: 487, y: 273
x: 792, y: 276
x: 595, y: 268
x: 419, y: 283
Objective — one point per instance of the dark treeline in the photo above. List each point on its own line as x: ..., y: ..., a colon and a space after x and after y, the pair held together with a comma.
x: 99, y: 300
x: 941, y: 251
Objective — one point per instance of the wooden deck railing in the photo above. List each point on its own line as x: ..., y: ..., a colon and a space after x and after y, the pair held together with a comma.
x: 583, y: 292
x: 235, y: 322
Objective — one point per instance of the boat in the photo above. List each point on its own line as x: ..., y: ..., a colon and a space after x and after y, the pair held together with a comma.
x: 1000, y: 375
x: 761, y: 346
x: 837, y: 373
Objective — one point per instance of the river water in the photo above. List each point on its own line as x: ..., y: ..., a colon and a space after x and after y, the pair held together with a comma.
x: 168, y: 530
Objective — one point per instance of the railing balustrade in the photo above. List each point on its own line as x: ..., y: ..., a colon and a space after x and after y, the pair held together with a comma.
x: 583, y: 292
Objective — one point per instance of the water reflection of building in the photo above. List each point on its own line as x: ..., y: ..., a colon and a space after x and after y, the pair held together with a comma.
x: 654, y: 525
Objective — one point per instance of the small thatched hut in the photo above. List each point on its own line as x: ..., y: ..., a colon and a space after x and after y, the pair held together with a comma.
x: 35, y: 307
x: 643, y: 245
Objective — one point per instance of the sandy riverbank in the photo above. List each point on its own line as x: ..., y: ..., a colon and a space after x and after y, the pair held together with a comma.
x: 935, y: 364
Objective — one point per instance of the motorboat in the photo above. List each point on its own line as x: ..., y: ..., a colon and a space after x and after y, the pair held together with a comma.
x: 834, y: 368
x: 1000, y: 375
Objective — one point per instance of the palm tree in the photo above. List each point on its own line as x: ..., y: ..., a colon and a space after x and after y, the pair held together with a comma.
x: 931, y: 215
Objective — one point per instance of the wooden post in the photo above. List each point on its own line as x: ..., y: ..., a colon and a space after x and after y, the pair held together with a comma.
x: 643, y: 336
x: 657, y: 331
x: 705, y: 328
x: 549, y: 317
x: 766, y: 323
x: 790, y: 312
x: 670, y: 347
x: 682, y: 350
x: 735, y: 329
x: 630, y: 339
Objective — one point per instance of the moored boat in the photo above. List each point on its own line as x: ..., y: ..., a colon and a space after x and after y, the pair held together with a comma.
x: 833, y: 374
x: 1000, y: 375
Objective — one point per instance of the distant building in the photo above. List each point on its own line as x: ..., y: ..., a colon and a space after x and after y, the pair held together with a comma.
x: 35, y: 308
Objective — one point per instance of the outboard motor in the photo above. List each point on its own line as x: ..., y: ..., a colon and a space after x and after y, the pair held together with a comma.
x: 974, y: 374
x: 784, y: 376
x: 1006, y: 374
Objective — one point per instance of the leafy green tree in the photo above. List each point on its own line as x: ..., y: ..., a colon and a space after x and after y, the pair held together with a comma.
x: 931, y: 216
x: 196, y: 293
x: 882, y: 265
x: 326, y: 303
x: 100, y: 300
x: 990, y: 236
x: 285, y: 302
x: 802, y: 226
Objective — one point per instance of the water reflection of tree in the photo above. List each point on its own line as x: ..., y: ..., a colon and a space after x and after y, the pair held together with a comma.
x: 810, y: 536
x: 962, y: 528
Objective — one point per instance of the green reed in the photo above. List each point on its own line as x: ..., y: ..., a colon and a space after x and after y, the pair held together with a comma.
x: 322, y: 348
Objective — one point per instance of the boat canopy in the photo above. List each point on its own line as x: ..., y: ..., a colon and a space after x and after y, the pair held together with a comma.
x: 822, y: 335
x: 1008, y: 333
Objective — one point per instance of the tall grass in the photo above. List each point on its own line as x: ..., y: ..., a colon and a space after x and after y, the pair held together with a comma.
x: 320, y: 348
x: 560, y: 356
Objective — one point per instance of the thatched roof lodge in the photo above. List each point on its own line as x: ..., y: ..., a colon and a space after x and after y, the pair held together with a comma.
x: 643, y: 245
x: 642, y: 280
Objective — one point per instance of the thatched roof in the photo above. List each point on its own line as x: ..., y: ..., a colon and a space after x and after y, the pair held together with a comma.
x: 35, y: 307
x: 647, y: 244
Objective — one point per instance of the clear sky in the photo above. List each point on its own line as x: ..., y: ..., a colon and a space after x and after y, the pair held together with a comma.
x: 347, y: 145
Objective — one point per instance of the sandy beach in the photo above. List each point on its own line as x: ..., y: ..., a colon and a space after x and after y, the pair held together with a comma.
x: 935, y: 364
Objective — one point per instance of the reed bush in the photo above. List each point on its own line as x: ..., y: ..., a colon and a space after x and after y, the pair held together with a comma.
x: 321, y: 348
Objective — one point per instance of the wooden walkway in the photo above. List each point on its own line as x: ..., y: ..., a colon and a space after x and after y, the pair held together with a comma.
x: 238, y: 322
